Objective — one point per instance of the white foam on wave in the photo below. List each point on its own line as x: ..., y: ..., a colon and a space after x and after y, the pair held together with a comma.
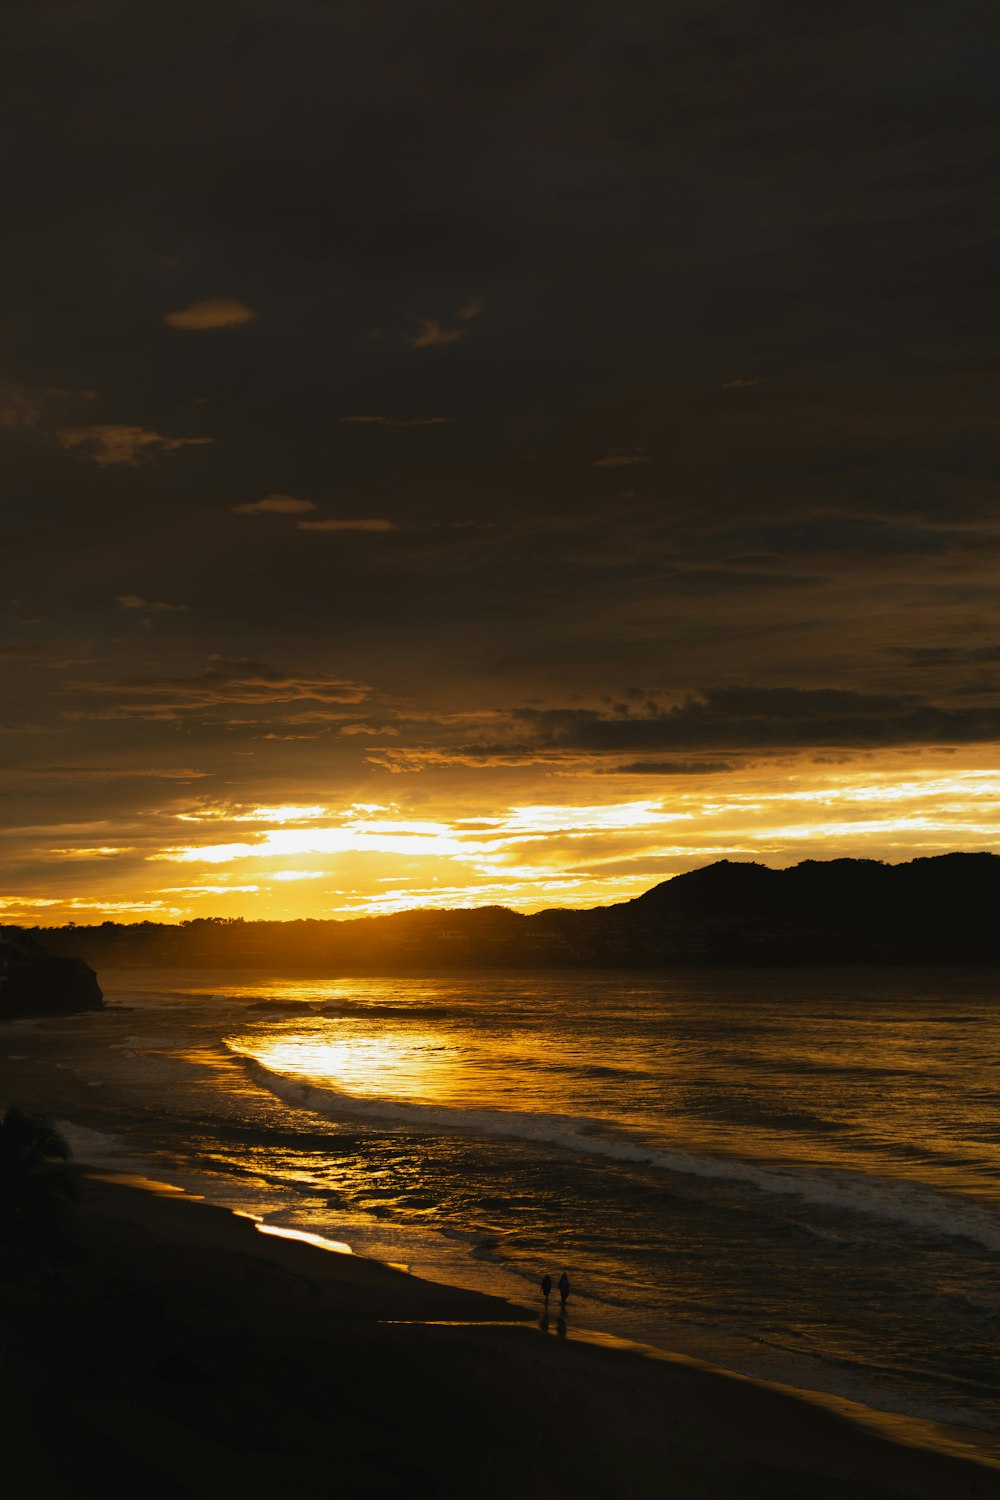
x: 888, y: 1199
x: 94, y: 1148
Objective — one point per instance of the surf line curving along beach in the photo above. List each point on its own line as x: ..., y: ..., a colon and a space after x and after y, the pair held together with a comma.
x: 187, y: 1346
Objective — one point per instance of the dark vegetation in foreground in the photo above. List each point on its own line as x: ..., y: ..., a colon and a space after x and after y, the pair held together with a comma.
x: 939, y: 910
x: 38, y: 1192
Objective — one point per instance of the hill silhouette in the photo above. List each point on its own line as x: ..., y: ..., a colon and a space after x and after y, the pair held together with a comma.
x: 940, y: 910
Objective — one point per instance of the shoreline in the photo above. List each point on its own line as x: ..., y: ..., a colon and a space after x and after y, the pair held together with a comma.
x: 641, y: 1406
x: 353, y: 1285
x: 653, y: 1407
x: 929, y: 1431
x: 470, y: 1307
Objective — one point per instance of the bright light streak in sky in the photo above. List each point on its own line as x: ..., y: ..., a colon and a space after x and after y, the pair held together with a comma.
x: 314, y: 858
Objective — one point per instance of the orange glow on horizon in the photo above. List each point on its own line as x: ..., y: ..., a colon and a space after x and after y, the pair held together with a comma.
x: 460, y: 847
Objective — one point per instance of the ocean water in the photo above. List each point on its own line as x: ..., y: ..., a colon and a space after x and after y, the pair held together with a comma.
x: 795, y: 1174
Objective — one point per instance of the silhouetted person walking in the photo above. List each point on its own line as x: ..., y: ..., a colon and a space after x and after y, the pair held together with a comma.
x: 563, y: 1289
x: 546, y: 1287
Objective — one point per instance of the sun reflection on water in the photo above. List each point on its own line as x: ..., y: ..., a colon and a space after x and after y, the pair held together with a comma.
x: 394, y: 1064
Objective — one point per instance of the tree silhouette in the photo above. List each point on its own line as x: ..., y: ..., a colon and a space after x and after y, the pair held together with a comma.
x: 37, y: 1189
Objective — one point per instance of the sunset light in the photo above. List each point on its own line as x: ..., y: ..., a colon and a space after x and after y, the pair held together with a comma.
x: 401, y: 1064
x: 471, y: 846
x: 500, y: 750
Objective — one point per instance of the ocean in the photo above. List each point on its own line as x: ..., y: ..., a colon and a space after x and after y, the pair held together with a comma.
x: 791, y: 1173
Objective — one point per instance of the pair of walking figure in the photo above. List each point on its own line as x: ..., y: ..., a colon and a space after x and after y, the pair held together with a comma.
x: 563, y: 1285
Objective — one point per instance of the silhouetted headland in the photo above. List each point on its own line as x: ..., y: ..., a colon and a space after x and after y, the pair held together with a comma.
x: 940, y: 910
x: 37, y: 982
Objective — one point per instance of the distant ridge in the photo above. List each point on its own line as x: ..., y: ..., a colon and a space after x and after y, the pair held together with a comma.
x: 939, y: 910
x: 944, y: 909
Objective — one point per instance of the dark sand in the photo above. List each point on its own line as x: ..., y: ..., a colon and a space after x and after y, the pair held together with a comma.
x: 183, y: 1353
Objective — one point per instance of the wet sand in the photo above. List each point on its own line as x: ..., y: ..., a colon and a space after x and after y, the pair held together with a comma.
x: 184, y: 1353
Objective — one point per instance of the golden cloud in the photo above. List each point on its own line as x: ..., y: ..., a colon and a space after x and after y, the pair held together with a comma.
x: 213, y: 312
x: 17, y: 407
x: 432, y: 333
x: 133, y: 601
x: 281, y: 505
x: 113, y: 443
x: 332, y: 525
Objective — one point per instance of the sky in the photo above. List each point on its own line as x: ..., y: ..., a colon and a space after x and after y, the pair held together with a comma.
x: 509, y: 453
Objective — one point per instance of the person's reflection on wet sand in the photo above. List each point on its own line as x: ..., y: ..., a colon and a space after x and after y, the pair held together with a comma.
x: 543, y: 1322
x: 561, y: 1326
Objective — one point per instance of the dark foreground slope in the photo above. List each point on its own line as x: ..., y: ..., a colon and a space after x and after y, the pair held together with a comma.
x: 942, y: 911
x: 178, y: 1353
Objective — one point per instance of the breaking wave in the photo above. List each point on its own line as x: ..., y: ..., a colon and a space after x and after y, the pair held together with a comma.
x: 888, y: 1199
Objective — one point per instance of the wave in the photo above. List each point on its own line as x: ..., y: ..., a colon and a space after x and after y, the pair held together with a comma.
x: 394, y: 1012
x: 98, y: 1148
x: 281, y: 1007
x: 886, y: 1199
x: 733, y: 1112
x: 824, y: 1068
x: 333, y: 1009
x: 86, y: 1143
x: 828, y: 1236
x: 584, y: 1070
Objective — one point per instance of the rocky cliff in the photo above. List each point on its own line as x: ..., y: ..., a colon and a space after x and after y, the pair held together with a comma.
x: 34, y: 982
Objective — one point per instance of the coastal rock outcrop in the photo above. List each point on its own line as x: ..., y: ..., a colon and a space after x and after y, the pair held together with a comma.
x: 34, y: 982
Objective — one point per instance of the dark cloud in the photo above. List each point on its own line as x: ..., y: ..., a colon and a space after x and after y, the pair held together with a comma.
x: 383, y: 421
x: 758, y: 719
x: 145, y: 606
x: 18, y: 408
x: 225, y: 682
x: 115, y: 773
x: 120, y: 443
x: 670, y: 768
x: 20, y: 653
x: 610, y: 342
x: 737, y: 720
x: 825, y: 534
x: 619, y: 460
x: 948, y: 656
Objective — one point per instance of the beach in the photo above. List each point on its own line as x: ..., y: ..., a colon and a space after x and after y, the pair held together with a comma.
x: 791, y: 1176
x: 182, y: 1352
x: 209, y: 1330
